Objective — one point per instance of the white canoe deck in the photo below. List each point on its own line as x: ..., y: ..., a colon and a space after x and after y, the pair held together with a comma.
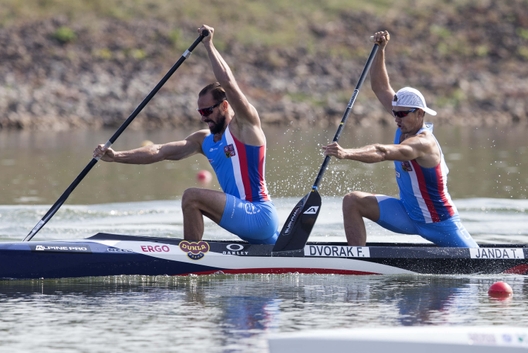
x: 409, y: 339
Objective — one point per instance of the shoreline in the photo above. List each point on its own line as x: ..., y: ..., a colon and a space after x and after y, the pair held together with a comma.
x: 96, y: 77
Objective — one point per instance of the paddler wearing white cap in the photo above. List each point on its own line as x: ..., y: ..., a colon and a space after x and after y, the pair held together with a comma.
x: 424, y: 207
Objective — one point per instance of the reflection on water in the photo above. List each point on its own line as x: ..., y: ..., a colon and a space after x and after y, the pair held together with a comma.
x: 236, y: 313
x: 224, y: 313
x: 38, y: 166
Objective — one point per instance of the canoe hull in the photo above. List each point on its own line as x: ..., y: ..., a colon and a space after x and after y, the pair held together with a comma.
x: 111, y: 254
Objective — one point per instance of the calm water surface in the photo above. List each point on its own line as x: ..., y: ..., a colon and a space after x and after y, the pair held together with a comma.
x: 235, y: 313
x: 36, y: 167
x: 222, y: 313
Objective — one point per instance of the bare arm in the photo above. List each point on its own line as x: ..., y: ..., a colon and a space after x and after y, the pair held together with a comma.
x: 245, y: 114
x: 379, y: 77
x: 155, y: 153
x: 420, y: 147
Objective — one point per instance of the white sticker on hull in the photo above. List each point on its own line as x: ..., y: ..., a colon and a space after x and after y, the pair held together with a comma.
x: 497, y: 253
x: 336, y: 251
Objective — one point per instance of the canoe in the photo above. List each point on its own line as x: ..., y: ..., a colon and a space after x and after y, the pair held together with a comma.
x: 106, y: 254
x: 407, y: 339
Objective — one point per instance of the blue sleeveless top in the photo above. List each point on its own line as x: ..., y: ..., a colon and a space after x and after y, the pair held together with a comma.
x: 239, y: 168
x: 424, y: 190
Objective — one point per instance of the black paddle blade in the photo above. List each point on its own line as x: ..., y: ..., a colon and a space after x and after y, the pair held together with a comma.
x: 299, y: 224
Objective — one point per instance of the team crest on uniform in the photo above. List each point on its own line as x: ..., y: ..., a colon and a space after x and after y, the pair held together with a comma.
x: 229, y: 151
x: 406, y: 166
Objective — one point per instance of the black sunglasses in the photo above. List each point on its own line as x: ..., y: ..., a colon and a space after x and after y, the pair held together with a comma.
x: 208, y: 111
x: 403, y: 113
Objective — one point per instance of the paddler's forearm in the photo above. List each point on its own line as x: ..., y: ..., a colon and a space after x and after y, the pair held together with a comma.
x: 368, y: 154
x: 143, y: 155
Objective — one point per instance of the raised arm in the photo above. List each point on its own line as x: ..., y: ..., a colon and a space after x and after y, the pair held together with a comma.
x: 245, y: 113
x: 379, y: 77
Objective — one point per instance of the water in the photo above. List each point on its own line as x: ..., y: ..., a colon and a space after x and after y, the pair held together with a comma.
x: 36, y: 167
x: 236, y: 313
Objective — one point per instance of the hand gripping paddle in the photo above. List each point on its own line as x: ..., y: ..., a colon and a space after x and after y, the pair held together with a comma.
x: 299, y: 224
x: 114, y: 137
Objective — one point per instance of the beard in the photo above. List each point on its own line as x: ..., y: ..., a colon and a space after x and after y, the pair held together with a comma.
x: 218, y: 126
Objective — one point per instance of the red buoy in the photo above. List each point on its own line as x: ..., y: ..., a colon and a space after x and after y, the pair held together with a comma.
x: 500, y: 290
x: 204, y: 177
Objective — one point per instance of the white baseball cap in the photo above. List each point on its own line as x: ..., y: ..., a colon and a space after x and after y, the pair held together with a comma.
x: 412, y: 98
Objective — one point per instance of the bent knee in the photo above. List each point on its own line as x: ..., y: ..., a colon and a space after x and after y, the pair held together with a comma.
x: 209, y: 202
x: 190, y: 195
x: 354, y: 198
x: 364, y: 203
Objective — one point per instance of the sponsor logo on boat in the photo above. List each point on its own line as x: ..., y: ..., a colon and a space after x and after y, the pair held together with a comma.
x: 155, y: 248
x: 294, y: 215
x: 195, y: 250
x: 336, y: 251
x: 482, y: 338
x: 118, y: 250
x: 496, y: 253
x: 235, y: 249
x: 311, y: 210
x: 62, y: 248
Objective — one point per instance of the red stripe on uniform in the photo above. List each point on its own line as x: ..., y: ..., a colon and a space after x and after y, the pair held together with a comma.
x: 441, y: 191
x: 244, y: 171
x: 262, y: 186
x: 424, y: 193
